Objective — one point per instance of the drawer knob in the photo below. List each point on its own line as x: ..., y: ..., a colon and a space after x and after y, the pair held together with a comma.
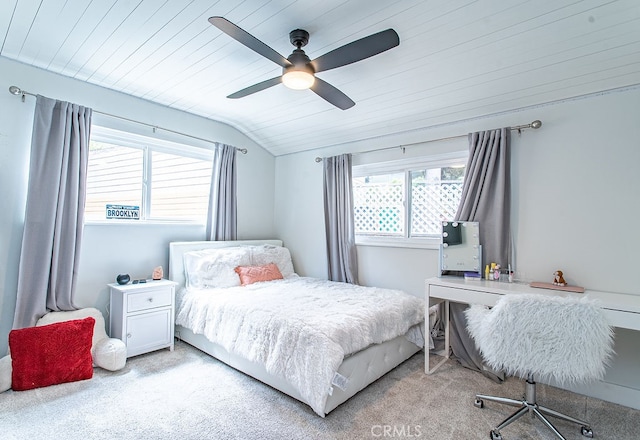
x: 150, y: 300
x: 128, y: 335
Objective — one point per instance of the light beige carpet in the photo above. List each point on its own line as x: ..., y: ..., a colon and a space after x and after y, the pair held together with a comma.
x: 186, y: 394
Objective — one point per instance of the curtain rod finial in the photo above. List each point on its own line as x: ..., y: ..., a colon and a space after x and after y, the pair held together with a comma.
x: 536, y: 124
x: 15, y: 90
x: 318, y: 159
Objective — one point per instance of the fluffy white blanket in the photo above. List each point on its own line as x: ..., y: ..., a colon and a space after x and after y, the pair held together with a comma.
x: 301, y: 328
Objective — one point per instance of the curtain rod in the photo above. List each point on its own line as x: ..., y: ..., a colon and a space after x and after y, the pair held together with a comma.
x: 18, y: 91
x: 535, y: 125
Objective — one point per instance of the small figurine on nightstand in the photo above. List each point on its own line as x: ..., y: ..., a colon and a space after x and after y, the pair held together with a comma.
x: 157, y: 273
x: 558, y: 279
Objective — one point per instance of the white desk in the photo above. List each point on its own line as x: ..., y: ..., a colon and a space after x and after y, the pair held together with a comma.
x: 622, y: 310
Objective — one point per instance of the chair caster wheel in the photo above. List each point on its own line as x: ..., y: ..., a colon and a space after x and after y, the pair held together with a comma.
x: 587, y: 431
x: 478, y: 403
x: 495, y: 435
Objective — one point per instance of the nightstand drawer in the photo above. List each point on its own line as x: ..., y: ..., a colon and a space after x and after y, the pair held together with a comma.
x: 149, y: 299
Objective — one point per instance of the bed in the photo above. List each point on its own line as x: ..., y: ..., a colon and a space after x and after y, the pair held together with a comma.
x: 269, y: 330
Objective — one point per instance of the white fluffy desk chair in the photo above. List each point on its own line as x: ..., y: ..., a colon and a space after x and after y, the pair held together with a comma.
x: 565, y: 338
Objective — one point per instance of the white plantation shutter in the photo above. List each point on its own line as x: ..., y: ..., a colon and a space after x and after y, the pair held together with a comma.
x: 114, y: 176
x: 179, y: 187
x: 168, y: 181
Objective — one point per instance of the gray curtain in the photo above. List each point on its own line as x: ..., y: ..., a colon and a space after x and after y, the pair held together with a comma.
x: 55, y: 210
x: 338, y: 219
x: 223, y: 207
x: 486, y: 198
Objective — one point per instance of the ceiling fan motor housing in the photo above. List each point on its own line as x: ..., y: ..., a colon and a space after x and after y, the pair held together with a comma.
x: 299, y: 59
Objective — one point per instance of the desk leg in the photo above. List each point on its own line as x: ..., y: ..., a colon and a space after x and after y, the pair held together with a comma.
x: 447, y: 344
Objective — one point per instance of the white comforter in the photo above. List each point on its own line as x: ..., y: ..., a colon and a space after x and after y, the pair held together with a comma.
x: 300, y: 328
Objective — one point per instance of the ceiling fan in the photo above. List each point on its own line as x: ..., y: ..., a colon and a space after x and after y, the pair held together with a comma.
x: 298, y: 71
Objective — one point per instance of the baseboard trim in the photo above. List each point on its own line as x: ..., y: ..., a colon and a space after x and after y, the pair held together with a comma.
x: 607, y: 391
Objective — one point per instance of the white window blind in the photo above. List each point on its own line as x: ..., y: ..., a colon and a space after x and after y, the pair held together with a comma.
x: 166, y: 180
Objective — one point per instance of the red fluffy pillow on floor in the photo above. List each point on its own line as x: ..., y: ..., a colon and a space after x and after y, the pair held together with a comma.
x: 51, y: 354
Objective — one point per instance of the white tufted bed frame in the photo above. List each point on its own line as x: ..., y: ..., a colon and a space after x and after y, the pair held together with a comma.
x: 361, y: 368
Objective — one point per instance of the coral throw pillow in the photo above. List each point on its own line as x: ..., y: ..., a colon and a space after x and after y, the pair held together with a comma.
x: 254, y: 274
x: 51, y: 354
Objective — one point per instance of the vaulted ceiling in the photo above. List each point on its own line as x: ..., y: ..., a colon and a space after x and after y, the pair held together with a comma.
x: 457, y: 59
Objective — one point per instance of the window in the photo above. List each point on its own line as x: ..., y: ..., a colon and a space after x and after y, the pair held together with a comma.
x: 406, y: 201
x: 166, y: 180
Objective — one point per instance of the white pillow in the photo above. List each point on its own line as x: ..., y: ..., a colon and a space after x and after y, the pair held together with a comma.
x: 266, y: 253
x: 215, y: 267
x: 5, y: 373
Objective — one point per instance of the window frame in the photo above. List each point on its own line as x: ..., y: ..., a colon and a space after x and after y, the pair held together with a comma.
x: 148, y: 145
x: 405, y: 166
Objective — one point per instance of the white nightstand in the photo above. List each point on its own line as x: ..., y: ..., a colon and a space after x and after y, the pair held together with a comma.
x: 142, y: 315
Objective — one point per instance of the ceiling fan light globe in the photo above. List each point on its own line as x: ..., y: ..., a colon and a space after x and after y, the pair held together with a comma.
x: 298, y: 80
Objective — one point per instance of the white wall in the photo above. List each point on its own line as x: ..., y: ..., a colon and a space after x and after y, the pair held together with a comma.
x: 574, y: 204
x: 108, y: 250
x: 15, y: 134
x: 574, y: 184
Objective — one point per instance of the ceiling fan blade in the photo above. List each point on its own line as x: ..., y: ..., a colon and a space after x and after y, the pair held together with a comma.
x: 329, y: 93
x: 256, y: 88
x: 357, y: 50
x: 248, y: 40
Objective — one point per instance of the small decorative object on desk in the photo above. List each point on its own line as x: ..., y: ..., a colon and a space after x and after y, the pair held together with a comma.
x: 157, y: 273
x: 496, y: 272
x: 558, y: 283
x: 558, y: 278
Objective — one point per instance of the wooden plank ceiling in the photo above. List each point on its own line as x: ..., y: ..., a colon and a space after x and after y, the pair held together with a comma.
x: 457, y: 59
